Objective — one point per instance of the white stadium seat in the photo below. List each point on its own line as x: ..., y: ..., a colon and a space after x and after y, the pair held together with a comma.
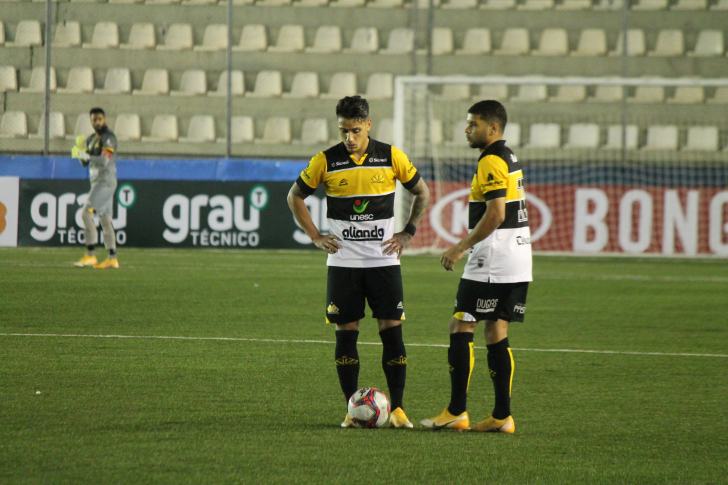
x: 14, y: 125
x: 569, y: 94
x: 2, y: 33
x: 455, y: 92
x: 238, y: 84
x: 341, y: 84
x: 648, y: 94
x: 253, y: 39
x: 635, y: 43
x: 311, y: 3
x: 290, y: 39
x: 214, y: 39
x: 719, y: 5
x: 575, y: 5
x: 268, y: 84
x: 435, y: 131
x: 592, y: 42
x: 141, y: 36
x: 273, y: 3
x: 703, y: 138
x: 385, y: 4
x: 314, y: 131
x: 277, y: 130
x: 304, y: 85
x: 531, y: 93
x: 128, y: 127
x: 155, y: 82
x: 661, y: 137
x: 460, y: 4
x: 544, y: 135
x: 8, y: 79
x: 380, y: 86
x: 326, y: 40
x: 80, y: 80
x: 710, y: 43
x: 606, y: 94
x: 583, y: 135
x: 38, y: 81
x: 68, y: 34
x: 651, y: 5
x: 720, y: 96
x: 690, y: 5
x: 492, y: 91
x: 347, y: 3
x: 536, y: 5
x: 105, y: 36
x: 242, y: 130
x: 164, y: 129
x: 401, y: 40
x: 118, y: 81
x: 614, y: 137
x: 365, y: 40
x: 442, y: 43
x: 475, y: 42
x: 82, y: 127
x: 57, y: 127
x: 498, y: 5
x: 688, y: 95
x: 385, y: 130
x: 512, y: 134
x: 179, y: 37
x: 515, y: 43
x: 193, y: 83
x: 457, y: 135
x: 27, y: 34
x: 554, y: 42
x: 670, y: 43
x: 200, y: 130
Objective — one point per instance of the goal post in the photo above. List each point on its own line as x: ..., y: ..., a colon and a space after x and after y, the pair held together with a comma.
x: 611, y: 165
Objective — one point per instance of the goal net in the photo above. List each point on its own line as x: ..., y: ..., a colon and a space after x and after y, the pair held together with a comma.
x: 611, y: 165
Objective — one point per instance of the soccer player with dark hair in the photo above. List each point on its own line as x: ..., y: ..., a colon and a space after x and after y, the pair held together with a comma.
x: 360, y: 176
x: 495, y: 279
x: 98, y: 151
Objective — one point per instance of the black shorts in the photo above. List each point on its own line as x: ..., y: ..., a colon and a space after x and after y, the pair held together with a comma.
x: 478, y: 301
x: 347, y: 288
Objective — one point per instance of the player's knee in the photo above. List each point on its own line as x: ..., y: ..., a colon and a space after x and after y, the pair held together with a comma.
x: 458, y: 326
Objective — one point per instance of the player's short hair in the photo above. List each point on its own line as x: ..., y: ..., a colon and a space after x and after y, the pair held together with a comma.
x: 353, y: 108
x: 96, y: 111
x: 490, y: 111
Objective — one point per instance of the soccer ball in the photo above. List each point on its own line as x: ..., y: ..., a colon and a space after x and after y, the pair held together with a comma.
x: 369, y: 408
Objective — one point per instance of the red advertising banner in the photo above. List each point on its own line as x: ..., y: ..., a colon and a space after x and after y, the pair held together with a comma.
x: 600, y: 218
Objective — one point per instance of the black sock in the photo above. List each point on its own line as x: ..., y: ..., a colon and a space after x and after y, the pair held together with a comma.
x: 500, y: 364
x: 394, y: 363
x: 112, y: 253
x: 460, y: 359
x: 347, y: 361
x: 90, y: 249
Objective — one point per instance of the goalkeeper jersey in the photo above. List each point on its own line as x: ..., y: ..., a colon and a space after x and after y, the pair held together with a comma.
x: 360, y: 199
x: 505, y: 255
x: 102, y: 169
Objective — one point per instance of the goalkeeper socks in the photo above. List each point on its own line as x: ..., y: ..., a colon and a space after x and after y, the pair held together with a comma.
x: 347, y: 361
x: 394, y: 363
x: 90, y: 249
x: 461, y: 360
x: 500, y: 364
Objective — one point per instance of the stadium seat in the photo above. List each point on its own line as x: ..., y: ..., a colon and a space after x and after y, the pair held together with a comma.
x: 442, y: 43
x: 57, y: 127
x: 341, y: 84
x: 8, y: 79
x: 105, y: 36
x: 614, y: 137
x: 515, y: 43
x: 277, y: 130
x: 238, y: 84
x: 554, y: 42
x: 252, y: 39
x: 155, y: 82
x: 435, y: 137
x: 606, y: 94
x: 401, y: 40
x: 647, y: 94
x: 455, y: 92
x: 126, y: 1
x: 688, y: 95
x: 544, y: 135
x: 38, y: 81
x: 385, y: 130
x: 385, y: 4
x: 365, y: 40
x: 475, y: 42
x: 423, y: 4
x: 703, y: 138
x: 304, y: 85
x: 80, y: 80
x: 719, y: 5
x: 583, y: 135
x: 536, y: 5
x: 241, y: 129
x: 272, y: 3
x: 82, y: 127
x: 326, y: 40
x: 690, y: 5
x: 178, y: 38
x: 201, y: 130
x: 27, y: 34
x: 141, y: 36
x: 492, y: 91
x: 199, y: 2
x: 347, y: 3
x: 268, y: 84
x: 650, y: 5
x: 164, y: 129
x: 635, y: 43
x: 193, y: 83
x: 290, y: 39
x: 531, y: 93
x: 669, y: 44
x: 459, y: 4
x: 498, y: 5
x: 2, y: 33
x: 118, y: 81
x: 161, y: 2
x: 569, y: 94
x: 311, y: 3
x: 457, y: 135
x: 214, y: 39
x: 128, y: 127
x: 512, y: 134
x: 314, y: 131
x: 661, y: 137
x: 710, y: 43
x: 68, y: 34
x: 592, y: 42
x: 720, y: 96
x: 380, y: 86
x: 14, y: 125
x: 575, y: 5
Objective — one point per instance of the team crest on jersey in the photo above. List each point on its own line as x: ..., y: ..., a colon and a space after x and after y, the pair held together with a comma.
x: 343, y: 182
x: 513, y: 158
x: 378, y: 179
x: 333, y: 309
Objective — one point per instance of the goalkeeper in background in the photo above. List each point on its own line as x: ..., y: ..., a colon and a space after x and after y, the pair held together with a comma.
x: 98, y: 152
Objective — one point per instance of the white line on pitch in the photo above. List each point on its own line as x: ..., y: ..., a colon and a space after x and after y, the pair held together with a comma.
x: 240, y: 339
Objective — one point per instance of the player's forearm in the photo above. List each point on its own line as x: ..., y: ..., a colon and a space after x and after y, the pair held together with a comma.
x: 420, y: 203
x: 99, y: 161
x: 302, y: 215
x: 491, y: 220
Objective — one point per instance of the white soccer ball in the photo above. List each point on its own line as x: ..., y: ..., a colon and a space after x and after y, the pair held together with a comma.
x: 369, y: 408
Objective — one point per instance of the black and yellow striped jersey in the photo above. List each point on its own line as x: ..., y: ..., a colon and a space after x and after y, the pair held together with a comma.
x: 360, y: 199
x: 505, y: 255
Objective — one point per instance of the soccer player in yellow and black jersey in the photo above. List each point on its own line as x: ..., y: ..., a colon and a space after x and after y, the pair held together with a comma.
x: 495, y: 280
x: 360, y: 176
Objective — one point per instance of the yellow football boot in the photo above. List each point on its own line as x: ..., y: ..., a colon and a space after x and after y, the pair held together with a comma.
x: 86, y: 261
x: 445, y: 420
x: 492, y: 425
x: 109, y: 263
x: 397, y: 419
x: 348, y: 423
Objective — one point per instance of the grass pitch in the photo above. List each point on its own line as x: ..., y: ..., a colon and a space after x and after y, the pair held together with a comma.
x: 240, y: 399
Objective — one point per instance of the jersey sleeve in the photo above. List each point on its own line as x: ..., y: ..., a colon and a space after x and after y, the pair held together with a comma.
x: 313, y: 174
x: 492, y: 177
x: 108, y: 142
x: 404, y: 171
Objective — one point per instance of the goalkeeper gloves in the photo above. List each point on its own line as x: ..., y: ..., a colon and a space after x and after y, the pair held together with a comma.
x: 79, y: 150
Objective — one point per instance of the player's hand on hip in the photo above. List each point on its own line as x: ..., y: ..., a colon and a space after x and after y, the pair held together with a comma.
x: 451, y: 257
x: 328, y: 243
x: 396, y: 244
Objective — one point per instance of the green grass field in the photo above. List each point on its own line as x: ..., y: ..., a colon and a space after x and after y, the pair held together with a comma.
x: 238, y: 397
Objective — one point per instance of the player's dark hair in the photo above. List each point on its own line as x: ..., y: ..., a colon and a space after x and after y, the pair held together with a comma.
x: 96, y: 111
x: 490, y: 111
x: 353, y: 108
